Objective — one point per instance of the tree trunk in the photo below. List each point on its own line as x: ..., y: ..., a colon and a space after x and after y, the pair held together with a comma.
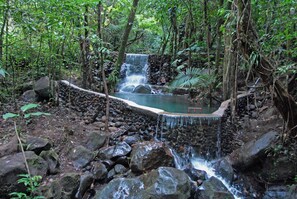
x: 229, y: 57
x: 100, y: 35
x: 219, y: 41
x: 125, y: 37
x: 84, y: 47
x: 247, y: 38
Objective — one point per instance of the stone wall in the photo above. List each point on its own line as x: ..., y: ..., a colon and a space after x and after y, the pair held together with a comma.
x: 210, y: 134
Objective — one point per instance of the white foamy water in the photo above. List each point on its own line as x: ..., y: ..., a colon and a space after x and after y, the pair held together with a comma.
x: 201, y: 164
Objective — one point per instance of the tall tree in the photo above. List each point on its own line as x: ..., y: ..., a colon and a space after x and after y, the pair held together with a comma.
x: 124, y: 41
x: 248, y: 42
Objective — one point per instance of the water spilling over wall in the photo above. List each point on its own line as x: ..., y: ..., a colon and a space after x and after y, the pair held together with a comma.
x: 134, y: 72
x: 210, y: 135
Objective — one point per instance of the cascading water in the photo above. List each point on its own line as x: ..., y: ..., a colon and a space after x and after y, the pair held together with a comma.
x: 134, y: 71
x: 201, y: 164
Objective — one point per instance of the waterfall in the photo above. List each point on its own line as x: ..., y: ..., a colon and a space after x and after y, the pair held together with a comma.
x: 134, y: 72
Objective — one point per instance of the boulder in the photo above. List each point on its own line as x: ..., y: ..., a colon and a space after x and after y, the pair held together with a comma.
x: 37, y: 144
x: 13, y: 165
x: 146, y: 156
x: 42, y: 87
x: 224, y: 169
x: 52, y: 159
x: 81, y: 156
x: 99, y: 171
x: 121, y: 188
x: 85, y: 182
x: 143, y: 89
x: 64, y: 188
x: 113, y: 152
x: 9, y: 148
x: 214, y: 189
x: 165, y: 183
x: 252, y: 151
x: 95, y: 140
x: 29, y: 96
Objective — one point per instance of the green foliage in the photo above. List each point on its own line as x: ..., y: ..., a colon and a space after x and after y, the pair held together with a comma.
x: 193, y: 78
x: 2, y: 72
x: 24, y: 110
x: 32, y: 183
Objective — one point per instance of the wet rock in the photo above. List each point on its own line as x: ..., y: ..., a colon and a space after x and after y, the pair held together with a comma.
x: 42, y: 88
x: 65, y: 188
x: 121, y: 188
x: 13, y: 165
x: 214, y: 189
x: 9, y: 148
x: 150, y: 155
x: 131, y: 139
x: 165, y: 183
x: 121, y: 149
x: 85, y: 182
x: 95, y: 140
x: 224, y: 169
x: 252, y: 151
x: 81, y: 156
x: 144, y: 89
x: 99, y: 170
x: 37, y: 144
x: 29, y: 96
x: 52, y: 159
x: 195, y: 174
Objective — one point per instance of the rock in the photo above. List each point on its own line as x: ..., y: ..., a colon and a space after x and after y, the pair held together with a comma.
x: 214, y: 189
x: 149, y: 155
x: 99, y: 170
x: 42, y: 88
x: 120, y: 169
x: 37, y: 144
x: 251, y: 152
x: 108, y: 163
x: 131, y: 139
x: 224, y: 169
x: 144, y: 89
x: 29, y: 96
x: 81, y: 156
x: 85, y: 182
x: 52, y: 159
x: 9, y: 148
x: 280, y: 192
x: 65, y: 188
x: 13, y: 165
x: 111, y: 174
x: 112, y: 152
x: 195, y: 174
x: 95, y: 140
x: 121, y: 188
x: 123, y: 160
x: 165, y: 183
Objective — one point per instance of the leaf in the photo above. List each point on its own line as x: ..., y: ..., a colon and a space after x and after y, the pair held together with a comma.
x: 3, y: 72
x: 35, y: 114
x: 10, y: 115
x: 28, y: 107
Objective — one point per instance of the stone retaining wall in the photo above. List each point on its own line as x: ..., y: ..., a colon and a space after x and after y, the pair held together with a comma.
x: 210, y: 134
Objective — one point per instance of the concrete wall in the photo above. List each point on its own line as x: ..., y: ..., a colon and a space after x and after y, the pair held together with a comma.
x: 209, y: 134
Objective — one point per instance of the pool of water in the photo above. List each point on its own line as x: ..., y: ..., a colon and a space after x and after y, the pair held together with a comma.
x: 169, y: 103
